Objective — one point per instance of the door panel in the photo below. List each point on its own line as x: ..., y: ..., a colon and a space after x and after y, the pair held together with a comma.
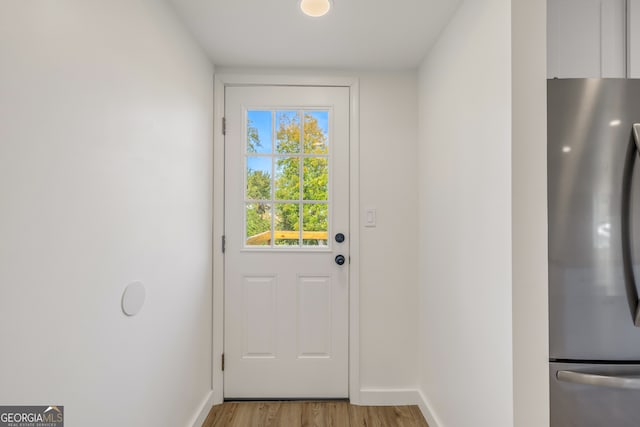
x: 586, y: 38
x: 260, y: 313
x: 286, y: 194
x: 589, y: 123
x: 314, y: 316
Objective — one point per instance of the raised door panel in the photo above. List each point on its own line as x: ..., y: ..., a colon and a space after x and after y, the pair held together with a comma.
x: 314, y: 317
x: 260, y: 317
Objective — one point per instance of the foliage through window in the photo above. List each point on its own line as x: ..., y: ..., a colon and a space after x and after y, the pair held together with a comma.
x: 287, y: 178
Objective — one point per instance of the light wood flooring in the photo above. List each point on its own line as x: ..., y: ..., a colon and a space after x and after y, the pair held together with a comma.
x: 312, y: 414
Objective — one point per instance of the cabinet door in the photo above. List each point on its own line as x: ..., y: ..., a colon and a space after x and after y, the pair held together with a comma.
x: 633, y: 44
x: 586, y: 38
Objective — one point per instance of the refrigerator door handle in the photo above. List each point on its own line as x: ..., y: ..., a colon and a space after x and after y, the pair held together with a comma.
x: 636, y: 135
x: 630, y: 282
x: 626, y: 382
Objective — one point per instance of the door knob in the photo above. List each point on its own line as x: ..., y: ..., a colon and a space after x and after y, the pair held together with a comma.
x: 340, y: 259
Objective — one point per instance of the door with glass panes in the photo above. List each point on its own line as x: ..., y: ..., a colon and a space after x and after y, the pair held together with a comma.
x: 287, y: 242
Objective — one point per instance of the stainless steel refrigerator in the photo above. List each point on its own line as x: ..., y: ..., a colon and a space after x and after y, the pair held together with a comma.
x: 594, y: 252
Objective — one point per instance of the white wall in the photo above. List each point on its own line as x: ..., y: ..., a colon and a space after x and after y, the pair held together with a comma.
x: 389, y: 252
x: 105, y: 178
x: 529, y: 179
x: 465, y: 219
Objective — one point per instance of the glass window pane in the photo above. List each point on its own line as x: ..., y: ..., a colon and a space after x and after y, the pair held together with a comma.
x: 275, y: 183
x: 258, y: 178
x: 316, y: 131
x: 259, y: 131
x: 315, y: 225
x: 288, y: 136
x: 316, y: 178
x: 287, y: 179
x: 258, y: 216
x: 287, y: 224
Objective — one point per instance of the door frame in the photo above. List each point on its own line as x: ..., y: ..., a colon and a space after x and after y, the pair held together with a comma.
x: 222, y: 80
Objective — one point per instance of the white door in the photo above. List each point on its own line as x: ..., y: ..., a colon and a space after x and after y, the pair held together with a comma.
x: 286, y: 224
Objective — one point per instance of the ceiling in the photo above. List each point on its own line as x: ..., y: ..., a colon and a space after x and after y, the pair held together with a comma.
x: 355, y: 34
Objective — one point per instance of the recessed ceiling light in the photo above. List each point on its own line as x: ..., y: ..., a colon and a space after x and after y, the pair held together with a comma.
x: 315, y: 8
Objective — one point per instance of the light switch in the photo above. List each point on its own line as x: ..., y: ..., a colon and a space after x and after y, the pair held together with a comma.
x: 370, y: 217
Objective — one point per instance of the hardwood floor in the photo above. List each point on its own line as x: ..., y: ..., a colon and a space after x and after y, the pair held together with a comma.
x: 312, y: 414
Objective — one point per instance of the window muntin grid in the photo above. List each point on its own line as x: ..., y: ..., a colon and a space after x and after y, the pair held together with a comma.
x: 287, y: 178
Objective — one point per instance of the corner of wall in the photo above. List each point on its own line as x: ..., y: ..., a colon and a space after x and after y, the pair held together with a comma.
x: 529, y: 215
x: 201, y: 414
x: 425, y: 407
x: 465, y: 219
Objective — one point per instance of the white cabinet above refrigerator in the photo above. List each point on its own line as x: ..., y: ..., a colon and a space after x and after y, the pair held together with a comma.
x: 587, y: 38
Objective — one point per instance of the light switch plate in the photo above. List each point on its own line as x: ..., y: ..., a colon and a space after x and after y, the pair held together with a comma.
x: 370, y: 217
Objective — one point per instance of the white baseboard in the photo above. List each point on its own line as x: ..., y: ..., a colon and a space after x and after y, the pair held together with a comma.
x: 218, y: 397
x: 205, y: 407
x: 428, y: 414
x: 388, y: 396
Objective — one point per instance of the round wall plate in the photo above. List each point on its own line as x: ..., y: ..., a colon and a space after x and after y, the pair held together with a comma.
x: 133, y: 298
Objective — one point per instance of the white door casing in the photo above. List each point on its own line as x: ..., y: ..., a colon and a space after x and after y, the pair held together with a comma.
x: 286, y: 300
